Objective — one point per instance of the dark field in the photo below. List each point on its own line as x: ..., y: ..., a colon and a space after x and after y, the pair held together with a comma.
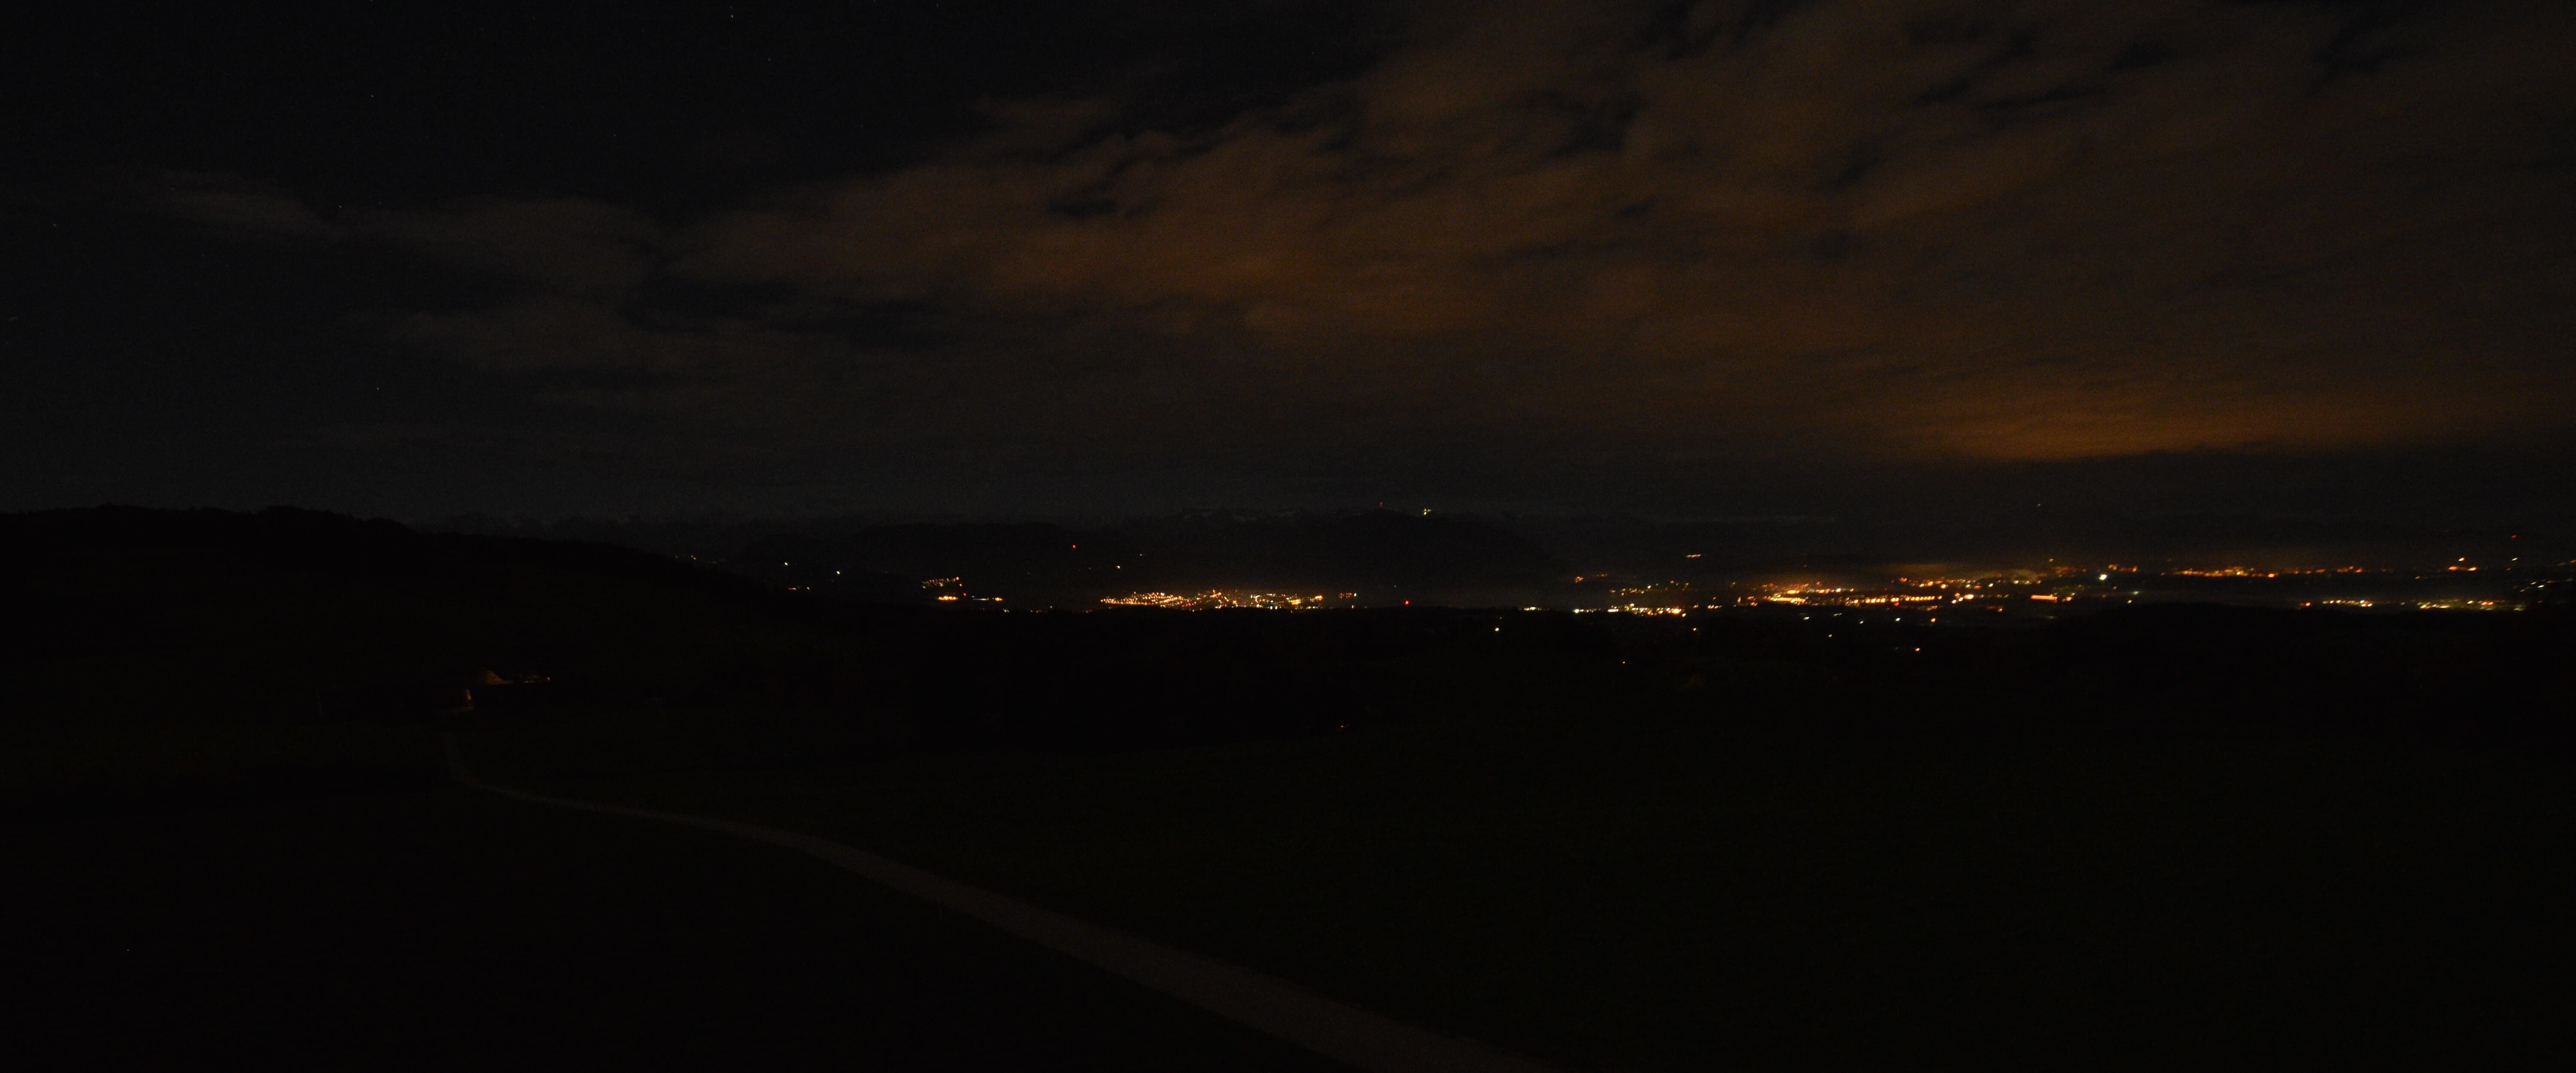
x: 1628, y: 892
x: 453, y: 930
x: 2152, y: 837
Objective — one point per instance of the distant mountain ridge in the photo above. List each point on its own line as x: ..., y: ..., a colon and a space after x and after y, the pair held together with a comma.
x: 322, y: 542
x: 1385, y: 556
x: 128, y: 620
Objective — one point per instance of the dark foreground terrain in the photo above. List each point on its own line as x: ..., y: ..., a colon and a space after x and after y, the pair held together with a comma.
x: 1635, y: 891
x: 2149, y: 838
x: 452, y: 930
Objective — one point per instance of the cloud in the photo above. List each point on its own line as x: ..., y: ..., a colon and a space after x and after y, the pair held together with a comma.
x: 1536, y: 243
x: 233, y: 207
x: 563, y: 245
x: 2038, y: 230
x: 550, y: 335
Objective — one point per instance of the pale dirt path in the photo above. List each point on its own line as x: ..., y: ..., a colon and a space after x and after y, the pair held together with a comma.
x: 1268, y: 1004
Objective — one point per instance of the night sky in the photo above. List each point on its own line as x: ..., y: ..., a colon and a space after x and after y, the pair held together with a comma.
x: 1712, y: 259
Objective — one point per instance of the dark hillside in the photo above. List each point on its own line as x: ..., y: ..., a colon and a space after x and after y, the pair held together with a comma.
x: 210, y: 625
x: 1387, y: 557
x: 1029, y: 563
x: 127, y: 615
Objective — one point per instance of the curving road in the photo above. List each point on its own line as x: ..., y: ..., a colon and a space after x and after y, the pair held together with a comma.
x: 1368, y: 1041
x: 449, y: 930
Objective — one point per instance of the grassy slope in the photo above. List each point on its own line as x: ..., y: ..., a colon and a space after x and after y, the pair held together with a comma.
x: 1667, y: 893
x: 452, y: 930
x: 217, y: 764
x: 1629, y: 889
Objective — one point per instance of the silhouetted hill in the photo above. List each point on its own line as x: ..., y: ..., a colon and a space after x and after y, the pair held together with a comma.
x: 1385, y: 556
x: 125, y: 619
x: 131, y: 615
x: 333, y: 544
x: 1029, y: 562
x: 2018, y: 534
x: 144, y: 620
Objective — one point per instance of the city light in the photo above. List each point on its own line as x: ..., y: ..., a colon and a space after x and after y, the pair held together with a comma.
x: 1233, y: 598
